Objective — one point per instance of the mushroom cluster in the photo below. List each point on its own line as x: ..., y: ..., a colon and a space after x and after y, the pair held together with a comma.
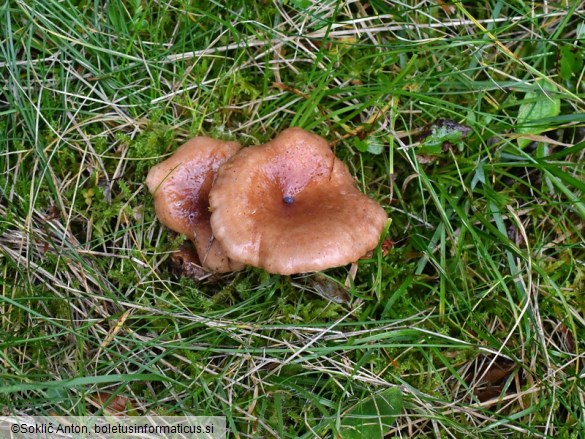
x: 288, y: 206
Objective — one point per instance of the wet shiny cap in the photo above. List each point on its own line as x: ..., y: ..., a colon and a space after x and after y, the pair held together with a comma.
x: 290, y: 206
x: 180, y: 186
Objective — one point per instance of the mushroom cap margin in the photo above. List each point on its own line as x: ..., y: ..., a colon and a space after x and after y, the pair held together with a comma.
x: 328, y: 223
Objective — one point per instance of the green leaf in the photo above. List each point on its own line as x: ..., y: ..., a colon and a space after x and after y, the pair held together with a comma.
x: 301, y: 4
x: 372, y: 416
x: 478, y: 176
x: 570, y: 61
x: 375, y: 145
x: 370, y: 144
x: 442, y: 132
x: 360, y: 145
x: 537, y: 105
x: 580, y: 31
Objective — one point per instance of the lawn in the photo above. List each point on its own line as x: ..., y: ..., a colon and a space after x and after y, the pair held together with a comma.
x: 465, y: 121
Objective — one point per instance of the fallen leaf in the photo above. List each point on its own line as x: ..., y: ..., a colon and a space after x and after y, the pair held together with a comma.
x: 536, y: 106
x: 323, y: 286
x: 185, y: 262
x: 372, y: 416
x: 448, y: 9
x: 487, y: 376
x: 387, y: 245
x: 113, y: 405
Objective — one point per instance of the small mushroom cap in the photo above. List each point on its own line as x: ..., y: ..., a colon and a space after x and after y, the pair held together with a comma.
x: 290, y: 206
x: 180, y: 186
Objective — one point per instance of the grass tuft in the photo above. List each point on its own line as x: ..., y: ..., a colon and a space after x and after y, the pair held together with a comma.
x: 464, y: 121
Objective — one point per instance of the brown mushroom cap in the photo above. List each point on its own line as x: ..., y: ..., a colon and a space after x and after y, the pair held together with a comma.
x: 290, y: 206
x: 180, y: 186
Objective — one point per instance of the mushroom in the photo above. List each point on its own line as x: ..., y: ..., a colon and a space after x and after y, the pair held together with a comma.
x: 180, y: 186
x: 290, y: 206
